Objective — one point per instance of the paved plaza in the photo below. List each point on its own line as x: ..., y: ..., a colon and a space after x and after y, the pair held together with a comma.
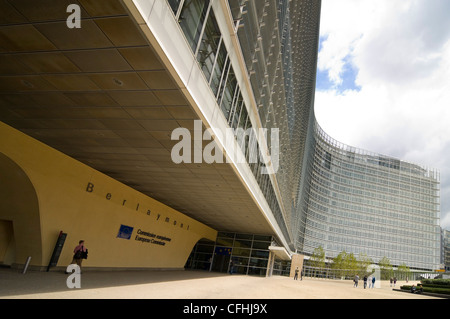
x: 184, y: 285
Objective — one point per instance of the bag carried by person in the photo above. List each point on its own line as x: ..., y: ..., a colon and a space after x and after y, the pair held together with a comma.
x: 80, y: 254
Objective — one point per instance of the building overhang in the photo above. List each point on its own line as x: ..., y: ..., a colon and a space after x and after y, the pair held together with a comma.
x: 280, y: 252
x: 103, y: 95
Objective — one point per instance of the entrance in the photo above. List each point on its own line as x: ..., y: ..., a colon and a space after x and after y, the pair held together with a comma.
x: 20, y: 230
x: 221, y: 259
x: 7, y: 243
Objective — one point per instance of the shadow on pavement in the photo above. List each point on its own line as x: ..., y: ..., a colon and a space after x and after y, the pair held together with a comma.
x: 14, y: 283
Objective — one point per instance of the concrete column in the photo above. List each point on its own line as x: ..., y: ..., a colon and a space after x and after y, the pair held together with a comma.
x: 296, y: 261
x: 270, y: 264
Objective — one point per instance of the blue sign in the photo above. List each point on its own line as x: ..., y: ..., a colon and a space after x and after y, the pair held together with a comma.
x: 125, y: 232
x: 223, y: 251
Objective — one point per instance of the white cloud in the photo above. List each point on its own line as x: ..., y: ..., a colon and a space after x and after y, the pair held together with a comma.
x: 401, y: 51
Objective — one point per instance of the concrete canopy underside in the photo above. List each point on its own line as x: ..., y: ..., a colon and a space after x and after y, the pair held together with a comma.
x: 280, y: 252
x: 101, y: 95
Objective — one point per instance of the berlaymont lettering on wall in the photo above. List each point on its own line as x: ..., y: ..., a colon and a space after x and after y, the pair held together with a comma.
x: 157, y: 216
x: 143, y: 236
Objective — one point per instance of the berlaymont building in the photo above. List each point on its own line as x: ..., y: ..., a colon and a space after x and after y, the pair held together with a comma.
x: 181, y: 134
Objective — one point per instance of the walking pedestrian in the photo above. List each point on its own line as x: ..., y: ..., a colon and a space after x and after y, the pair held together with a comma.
x: 373, y: 282
x: 231, y: 266
x: 365, y: 281
x: 395, y: 281
x: 356, y: 281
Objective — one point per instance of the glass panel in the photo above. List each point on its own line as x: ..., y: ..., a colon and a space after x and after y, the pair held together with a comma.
x: 239, y: 269
x: 260, y: 253
x: 241, y: 128
x: 225, y: 235
x: 206, y: 241
x: 244, y: 236
x: 174, y: 5
x: 203, y: 257
x: 243, y: 117
x: 198, y: 264
x: 237, y: 111
x: 256, y: 262
x: 205, y: 248
x: 241, y: 252
x: 218, y: 69
x: 237, y: 95
x: 248, y: 124
x: 235, y: 6
x: 263, y: 238
x: 252, y: 148
x: 242, y: 243
x: 250, y: 143
x: 223, y: 80
x: 191, y: 20
x: 228, y: 93
x: 261, y: 245
x: 209, y: 45
x: 240, y: 261
x: 225, y: 242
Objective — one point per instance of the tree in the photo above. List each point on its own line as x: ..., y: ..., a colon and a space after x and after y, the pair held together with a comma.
x: 403, y: 271
x: 339, y: 264
x: 351, y: 264
x: 385, y: 268
x: 318, y: 258
x: 363, y: 262
x: 344, y: 264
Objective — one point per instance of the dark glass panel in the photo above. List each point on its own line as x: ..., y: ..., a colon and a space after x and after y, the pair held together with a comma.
x: 191, y: 20
x: 209, y: 46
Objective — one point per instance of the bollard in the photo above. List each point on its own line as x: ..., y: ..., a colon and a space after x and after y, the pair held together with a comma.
x: 26, y: 265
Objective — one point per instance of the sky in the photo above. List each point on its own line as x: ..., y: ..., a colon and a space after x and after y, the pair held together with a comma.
x: 383, y: 81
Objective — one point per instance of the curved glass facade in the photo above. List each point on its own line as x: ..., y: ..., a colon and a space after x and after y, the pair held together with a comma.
x: 325, y: 193
x: 366, y: 203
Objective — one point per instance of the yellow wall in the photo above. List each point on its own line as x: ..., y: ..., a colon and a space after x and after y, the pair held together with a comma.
x: 68, y: 202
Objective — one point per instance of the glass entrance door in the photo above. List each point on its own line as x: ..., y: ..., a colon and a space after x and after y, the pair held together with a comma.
x: 221, y: 259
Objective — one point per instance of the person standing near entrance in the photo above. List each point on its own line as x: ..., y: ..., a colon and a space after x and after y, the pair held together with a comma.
x: 296, y: 274
x: 79, y: 253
